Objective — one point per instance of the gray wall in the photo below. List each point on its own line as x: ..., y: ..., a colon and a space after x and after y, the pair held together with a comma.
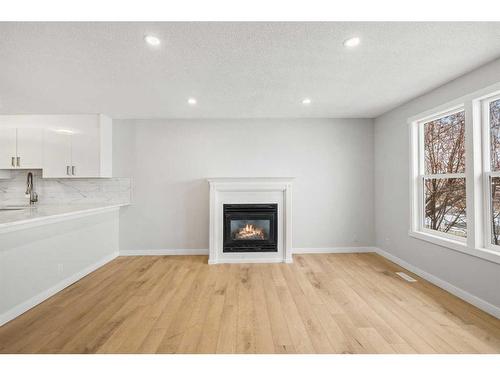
x: 169, y: 161
x: 474, y: 275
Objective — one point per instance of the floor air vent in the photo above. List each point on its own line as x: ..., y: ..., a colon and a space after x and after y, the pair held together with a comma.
x: 406, y: 277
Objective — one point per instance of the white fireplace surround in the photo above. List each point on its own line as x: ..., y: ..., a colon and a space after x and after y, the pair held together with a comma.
x: 250, y: 190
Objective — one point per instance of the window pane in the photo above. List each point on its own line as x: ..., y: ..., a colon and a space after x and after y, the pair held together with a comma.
x: 495, y: 210
x: 444, y: 144
x: 495, y: 135
x: 445, y: 205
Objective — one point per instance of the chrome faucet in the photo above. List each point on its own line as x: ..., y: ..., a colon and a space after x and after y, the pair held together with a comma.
x: 30, y: 189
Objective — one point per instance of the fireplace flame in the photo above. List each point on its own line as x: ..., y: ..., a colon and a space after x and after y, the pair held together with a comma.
x: 250, y: 232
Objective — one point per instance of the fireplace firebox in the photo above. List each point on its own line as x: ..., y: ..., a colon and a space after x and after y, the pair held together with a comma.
x: 250, y: 228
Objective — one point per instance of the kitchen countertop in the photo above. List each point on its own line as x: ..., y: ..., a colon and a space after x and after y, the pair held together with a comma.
x: 40, y: 214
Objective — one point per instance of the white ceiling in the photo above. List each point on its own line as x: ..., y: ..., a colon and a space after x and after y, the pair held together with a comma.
x: 234, y: 70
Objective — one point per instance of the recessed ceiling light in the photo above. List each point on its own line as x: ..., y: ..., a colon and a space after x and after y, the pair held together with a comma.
x: 192, y: 101
x: 352, y: 42
x: 152, y: 40
x: 306, y: 101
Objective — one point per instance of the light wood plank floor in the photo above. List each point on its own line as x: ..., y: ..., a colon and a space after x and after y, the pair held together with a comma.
x: 328, y: 303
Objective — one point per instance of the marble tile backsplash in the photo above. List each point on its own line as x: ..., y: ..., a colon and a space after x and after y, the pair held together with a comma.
x: 65, y: 190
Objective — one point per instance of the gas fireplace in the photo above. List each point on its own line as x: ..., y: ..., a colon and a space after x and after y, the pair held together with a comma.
x: 250, y: 228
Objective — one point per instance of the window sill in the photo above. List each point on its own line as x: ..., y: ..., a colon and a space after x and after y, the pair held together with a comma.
x: 487, y: 254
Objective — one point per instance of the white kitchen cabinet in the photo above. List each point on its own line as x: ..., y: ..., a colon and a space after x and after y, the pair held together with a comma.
x: 20, y: 147
x: 81, y: 147
x: 7, y: 147
x: 85, y: 153
x: 29, y: 148
x: 56, y: 153
x: 63, y: 146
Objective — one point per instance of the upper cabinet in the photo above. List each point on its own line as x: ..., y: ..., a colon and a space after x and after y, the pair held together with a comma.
x: 29, y: 148
x: 56, y: 153
x: 7, y: 147
x: 20, y: 148
x: 78, y: 146
x: 63, y: 146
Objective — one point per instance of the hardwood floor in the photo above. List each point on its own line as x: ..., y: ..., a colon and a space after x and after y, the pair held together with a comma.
x: 328, y: 303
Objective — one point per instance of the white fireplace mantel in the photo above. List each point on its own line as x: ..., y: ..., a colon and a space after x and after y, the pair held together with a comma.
x: 250, y: 190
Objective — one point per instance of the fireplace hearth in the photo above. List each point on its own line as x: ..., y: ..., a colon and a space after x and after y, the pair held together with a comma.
x: 250, y: 228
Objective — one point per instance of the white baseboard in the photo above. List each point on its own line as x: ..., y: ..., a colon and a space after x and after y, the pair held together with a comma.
x: 158, y: 252
x: 333, y: 250
x: 460, y: 293
x: 40, y: 297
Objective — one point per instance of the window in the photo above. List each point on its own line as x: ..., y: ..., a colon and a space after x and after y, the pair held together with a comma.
x: 444, y: 180
x: 442, y: 175
x: 455, y: 175
x: 491, y: 128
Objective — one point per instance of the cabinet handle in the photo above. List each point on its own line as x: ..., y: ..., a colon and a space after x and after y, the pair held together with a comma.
x: 73, y: 170
x: 67, y: 170
x: 13, y: 161
x: 18, y: 160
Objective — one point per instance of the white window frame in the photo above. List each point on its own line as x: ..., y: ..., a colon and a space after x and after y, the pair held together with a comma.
x: 482, y: 106
x: 477, y: 174
x: 420, y: 176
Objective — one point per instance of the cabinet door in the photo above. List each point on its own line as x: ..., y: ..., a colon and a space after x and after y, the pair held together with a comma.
x: 85, y: 152
x: 7, y: 147
x: 56, y: 154
x: 29, y: 147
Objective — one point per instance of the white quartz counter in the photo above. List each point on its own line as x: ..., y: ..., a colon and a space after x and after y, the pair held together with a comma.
x: 45, y: 214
